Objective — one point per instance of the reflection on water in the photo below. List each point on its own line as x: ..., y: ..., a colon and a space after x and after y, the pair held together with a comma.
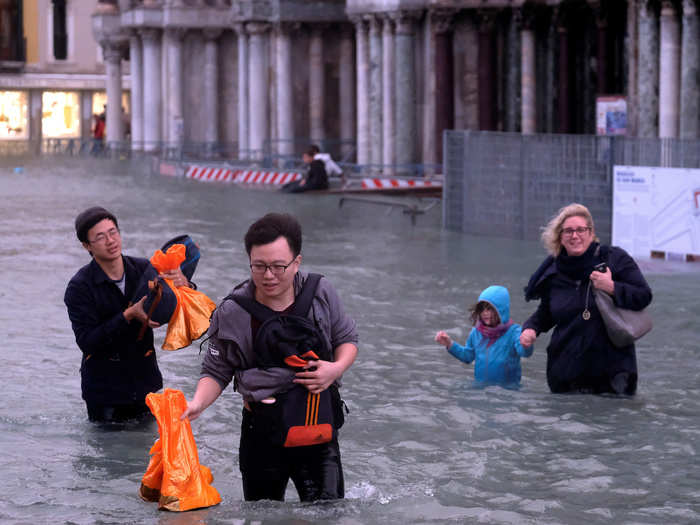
x: 420, y: 444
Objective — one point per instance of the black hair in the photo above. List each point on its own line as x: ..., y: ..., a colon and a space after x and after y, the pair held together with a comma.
x: 270, y: 228
x: 88, y: 218
x: 313, y: 149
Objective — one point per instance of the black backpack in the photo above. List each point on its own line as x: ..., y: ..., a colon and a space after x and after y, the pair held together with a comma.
x: 297, y: 417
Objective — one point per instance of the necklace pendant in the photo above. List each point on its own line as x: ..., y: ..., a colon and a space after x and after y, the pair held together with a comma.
x: 586, y: 315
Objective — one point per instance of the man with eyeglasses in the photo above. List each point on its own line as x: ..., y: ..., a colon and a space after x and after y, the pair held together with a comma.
x: 118, y: 368
x: 273, y: 244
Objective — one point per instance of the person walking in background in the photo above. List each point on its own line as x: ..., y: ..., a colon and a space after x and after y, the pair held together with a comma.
x: 494, y: 340
x: 98, y: 133
x: 580, y: 356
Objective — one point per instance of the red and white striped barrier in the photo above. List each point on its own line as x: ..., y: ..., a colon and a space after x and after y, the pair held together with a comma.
x: 379, y: 183
x: 266, y: 177
x: 209, y: 174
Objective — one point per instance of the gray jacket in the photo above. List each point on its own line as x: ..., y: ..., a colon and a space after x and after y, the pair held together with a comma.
x: 230, y: 351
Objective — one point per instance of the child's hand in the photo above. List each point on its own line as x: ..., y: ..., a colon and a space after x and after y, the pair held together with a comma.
x: 527, y: 337
x: 443, y: 339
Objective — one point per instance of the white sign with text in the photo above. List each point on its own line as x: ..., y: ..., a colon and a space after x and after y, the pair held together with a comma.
x: 656, y: 209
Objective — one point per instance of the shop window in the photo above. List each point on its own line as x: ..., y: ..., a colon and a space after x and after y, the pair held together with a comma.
x: 60, y: 30
x: 60, y: 114
x: 14, y: 115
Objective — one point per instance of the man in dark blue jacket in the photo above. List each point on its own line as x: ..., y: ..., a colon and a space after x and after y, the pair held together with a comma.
x: 118, y: 368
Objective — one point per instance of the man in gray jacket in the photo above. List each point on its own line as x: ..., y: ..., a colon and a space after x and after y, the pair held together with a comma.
x: 273, y: 244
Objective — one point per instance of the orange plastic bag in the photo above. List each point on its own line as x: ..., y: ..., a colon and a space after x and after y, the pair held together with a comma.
x: 174, y: 478
x: 191, y: 316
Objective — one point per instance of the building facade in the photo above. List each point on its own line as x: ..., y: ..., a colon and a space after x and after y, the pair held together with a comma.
x: 52, y: 71
x: 384, y: 78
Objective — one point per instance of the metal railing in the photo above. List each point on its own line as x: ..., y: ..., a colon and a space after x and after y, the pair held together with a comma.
x: 215, y: 152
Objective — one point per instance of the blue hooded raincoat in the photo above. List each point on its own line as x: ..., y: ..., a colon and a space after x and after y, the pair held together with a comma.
x: 500, y: 362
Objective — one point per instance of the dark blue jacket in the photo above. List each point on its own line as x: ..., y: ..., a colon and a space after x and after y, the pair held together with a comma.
x: 580, y: 356
x: 116, y: 368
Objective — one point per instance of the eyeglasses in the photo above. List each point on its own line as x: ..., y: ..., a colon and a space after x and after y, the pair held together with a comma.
x: 569, y: 232
x: 276, y: 269
x: 101, y: 237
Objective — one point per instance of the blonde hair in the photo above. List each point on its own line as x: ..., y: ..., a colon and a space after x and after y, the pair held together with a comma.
x: 551, y: 234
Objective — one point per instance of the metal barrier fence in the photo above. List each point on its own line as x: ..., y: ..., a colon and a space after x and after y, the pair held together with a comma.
x: 212, y: 152
x: 89, y: 147
x: 510, y: 185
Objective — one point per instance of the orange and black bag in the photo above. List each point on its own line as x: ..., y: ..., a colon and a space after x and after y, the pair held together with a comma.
x: 297, y: 418
x: 190, y: 319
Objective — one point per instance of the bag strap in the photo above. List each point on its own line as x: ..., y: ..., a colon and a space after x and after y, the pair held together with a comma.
x: 300, y: 308
x: 302, y: 304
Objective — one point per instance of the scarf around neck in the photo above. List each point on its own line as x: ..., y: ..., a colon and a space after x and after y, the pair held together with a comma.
x: 492, y: 333
x: 577, y: 267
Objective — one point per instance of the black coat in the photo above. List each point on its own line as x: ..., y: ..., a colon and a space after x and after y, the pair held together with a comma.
x: 580, y: 356
x: 116, y: 369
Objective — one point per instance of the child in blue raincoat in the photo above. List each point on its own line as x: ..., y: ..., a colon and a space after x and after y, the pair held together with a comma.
x: 494, y: 341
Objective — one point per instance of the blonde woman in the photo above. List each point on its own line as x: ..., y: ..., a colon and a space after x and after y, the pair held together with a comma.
x: 580, y: 356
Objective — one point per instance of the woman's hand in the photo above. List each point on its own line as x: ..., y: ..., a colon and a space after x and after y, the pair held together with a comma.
x: 603, y: 281
x: 318, y: 375
x: 442, y: 338
x: 527, y: 337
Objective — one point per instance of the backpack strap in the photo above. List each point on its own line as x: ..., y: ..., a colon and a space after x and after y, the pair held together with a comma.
x: 301, y: 305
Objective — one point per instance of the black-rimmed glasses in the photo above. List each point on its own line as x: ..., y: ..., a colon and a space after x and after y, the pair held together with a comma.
x: 102, y: 237
x: 276, y: 269
x: 569, y: 232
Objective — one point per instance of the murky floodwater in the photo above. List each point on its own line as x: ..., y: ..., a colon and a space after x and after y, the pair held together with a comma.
x: 420, y: 444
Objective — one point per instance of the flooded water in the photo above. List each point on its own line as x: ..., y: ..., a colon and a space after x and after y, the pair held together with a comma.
x: 420, y: 444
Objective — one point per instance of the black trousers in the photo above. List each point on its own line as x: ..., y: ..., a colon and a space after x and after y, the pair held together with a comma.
x: 117, y: 413
x: 316, y: 471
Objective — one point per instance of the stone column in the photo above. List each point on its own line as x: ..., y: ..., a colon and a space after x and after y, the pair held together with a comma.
x: 444, y: 76
x: 136, y: 63
x: 113, y: 71
x: 632, y: 64
x: 690, y: 82
x: 487, y: 85
x: 283, y: 72
x: 362, y: 57
x: 513, y: 69
x: 563, y: 95
x: 242, y: 80
x: 601, y: 18
x: 648, y: 70
x: 406, y: 132
x: 152, y: 89
x: 86, y: 120
x: 258, y: 88
x: 347, y: 91
x: 388, y: 93
x: 211, y: 85
x: 317, y: 86
x: 35, y: 120
x: 375, y: 90
x: 528, y: 77
x: 669, y: 71
x: 175, y: 102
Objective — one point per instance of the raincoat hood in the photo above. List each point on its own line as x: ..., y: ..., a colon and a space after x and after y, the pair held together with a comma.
x: 499, y: 298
